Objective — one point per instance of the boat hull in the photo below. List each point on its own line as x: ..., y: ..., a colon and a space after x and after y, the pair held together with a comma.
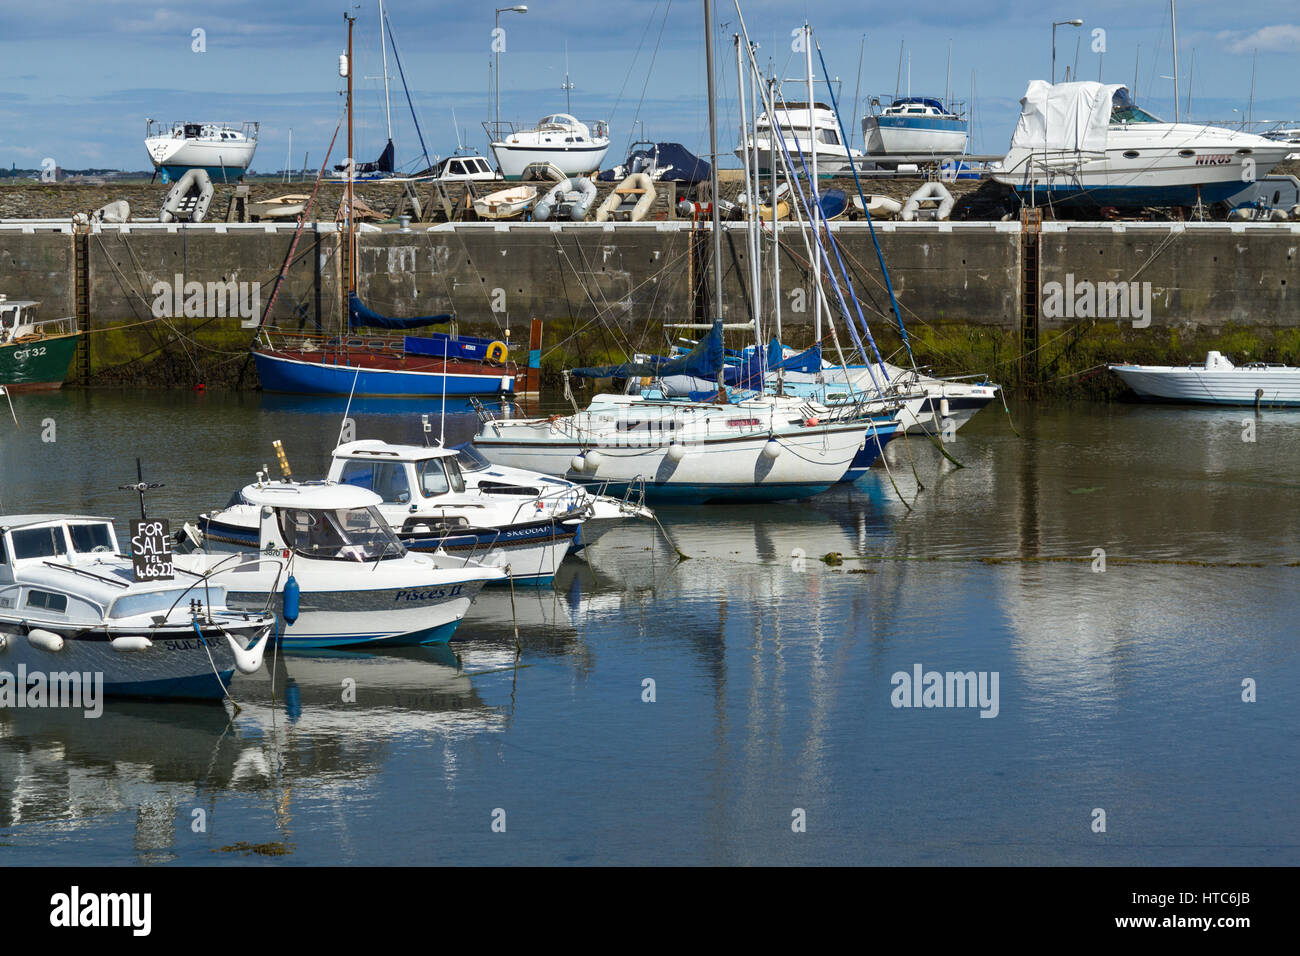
x: 38, y: 365
x: 328, y: 373
x: 721, y: 469
x: 1237, y: 386
x: 571, y: 160
x: 175, y: 667
x: 901, y: 135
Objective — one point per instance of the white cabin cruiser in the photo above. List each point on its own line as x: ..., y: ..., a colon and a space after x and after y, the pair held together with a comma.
x: 1217, y: 381
x: 522, y: 522
x: 358, y: 583
x: 798, y: 127
x: 70, y: 606
x: 559, y: 139
x: 1088, y: 143
x: 223, y: 150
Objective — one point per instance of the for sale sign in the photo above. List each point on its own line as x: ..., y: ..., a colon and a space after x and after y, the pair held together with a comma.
x: 151, y: 551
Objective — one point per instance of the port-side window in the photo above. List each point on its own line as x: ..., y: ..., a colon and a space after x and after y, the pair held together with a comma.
x: 386, y: 479
x: 433, y: 478
x: 87, y: 538
x: 57, y: 603
x: 38, y: 543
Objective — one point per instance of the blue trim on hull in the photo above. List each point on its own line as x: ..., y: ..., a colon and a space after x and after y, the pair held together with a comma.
x: 433, y: 635
x: 1070, y: 194
x: 920, y: 122
x: 305, y: 378
x: 704, y: 494
x: 215, y: 173
x: 202, y: 687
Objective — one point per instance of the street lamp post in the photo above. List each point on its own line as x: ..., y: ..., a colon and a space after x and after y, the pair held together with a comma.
x: 1075, y: 22
x: 496, y: 43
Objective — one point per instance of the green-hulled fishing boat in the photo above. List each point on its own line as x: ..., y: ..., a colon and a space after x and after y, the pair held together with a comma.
x: 34, y: 354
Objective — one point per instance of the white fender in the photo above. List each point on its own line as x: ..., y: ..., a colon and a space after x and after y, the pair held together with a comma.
x: 4, y: 643
x: 676, y: 451
x: 594, y: 458
x: 248, y: 660
x: 131, y: 643
x: 44, y: 640
x: 577, y: 463
x: 772, y: 450
x: 929, y: 192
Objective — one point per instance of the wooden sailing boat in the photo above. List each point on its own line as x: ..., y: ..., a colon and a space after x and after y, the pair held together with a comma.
x: 362, y: 362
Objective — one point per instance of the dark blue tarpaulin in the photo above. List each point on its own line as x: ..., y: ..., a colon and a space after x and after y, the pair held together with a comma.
x: 809, y: 361
x: 361, y: 317
x: 703, y: 361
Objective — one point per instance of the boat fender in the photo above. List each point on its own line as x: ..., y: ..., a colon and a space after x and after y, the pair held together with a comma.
x: 44, y: 640
x: 4, y: 643
x: 772, y: 450
x: 676, y: 451
x: 943, y: 407
x: 577, y: 463
x: 594, y: 458
x: 290, y: 603
x: 496, y: 353
x: 248, y: 660
x: 134, y: 642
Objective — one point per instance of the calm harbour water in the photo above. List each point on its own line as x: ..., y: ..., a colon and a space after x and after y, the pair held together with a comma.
x: 1119, y: 690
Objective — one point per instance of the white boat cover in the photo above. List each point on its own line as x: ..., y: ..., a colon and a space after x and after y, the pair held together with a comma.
x: 1068, y: 116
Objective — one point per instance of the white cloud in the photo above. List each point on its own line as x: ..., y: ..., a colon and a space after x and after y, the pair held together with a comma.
x: 1279, y: 38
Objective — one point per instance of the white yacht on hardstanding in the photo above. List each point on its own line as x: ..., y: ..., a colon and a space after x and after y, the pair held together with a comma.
x: 1088, y: 143
x: 223, y: 150
x: 798, y: 127
x: 560, y: 140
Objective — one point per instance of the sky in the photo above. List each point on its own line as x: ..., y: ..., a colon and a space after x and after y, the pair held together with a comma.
x: 78, y: 78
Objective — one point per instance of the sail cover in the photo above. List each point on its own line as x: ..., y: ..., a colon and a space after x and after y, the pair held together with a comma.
x: 703, y: 361
x: 1074, y: 117
x: 361, y: 317
x: 809, y: 361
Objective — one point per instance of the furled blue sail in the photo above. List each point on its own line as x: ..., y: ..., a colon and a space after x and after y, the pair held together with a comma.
x: 703, y: 361
x: 361, y: 317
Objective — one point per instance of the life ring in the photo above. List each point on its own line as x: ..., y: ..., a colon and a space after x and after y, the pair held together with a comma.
x: 496, y: 353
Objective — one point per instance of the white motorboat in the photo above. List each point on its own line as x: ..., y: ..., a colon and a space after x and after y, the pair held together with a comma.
x: 573, y: 147
x: 223, y: 150
x: 915, y: 126
x: 464, y: 167
x: 522, y: 522
x: 1088, y: 143
x: 798, y: 127
x: 1217, y: 381
x: 358, y: 583
x: 71, y: 607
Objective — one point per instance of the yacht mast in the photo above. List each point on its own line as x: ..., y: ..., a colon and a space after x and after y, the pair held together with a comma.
x: 713, y: 172
x: 383, y: 49
x: 352, y: 243
x: 1173, y: 22
x: 816, y: 204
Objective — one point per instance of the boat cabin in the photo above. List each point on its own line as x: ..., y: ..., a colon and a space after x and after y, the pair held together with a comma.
x: 398, y: 474
x: 465, y: 168
x: 322, y: 521
x: 66, y: 569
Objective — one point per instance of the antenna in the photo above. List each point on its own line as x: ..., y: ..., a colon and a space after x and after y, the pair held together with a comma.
x: 140, y: 487
x: 567, y: 87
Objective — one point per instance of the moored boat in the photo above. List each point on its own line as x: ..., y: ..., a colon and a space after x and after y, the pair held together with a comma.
x: 1216, y: 381
x: 34, y: 353
x: 70, y: 604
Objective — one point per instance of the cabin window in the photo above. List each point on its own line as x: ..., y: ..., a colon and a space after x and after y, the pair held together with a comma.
x: 3, y: 558
x: 454, y: 475
x: 58, y: 603
x: 386, y: 479
x: 828, y: 136
x: 90, y: 537
x: 356, y: 534
x: 433, y: 478
x: 38, y: 543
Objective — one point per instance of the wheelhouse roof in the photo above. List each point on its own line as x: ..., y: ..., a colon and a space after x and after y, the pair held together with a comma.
x: 319, y: 495
x: 11, y: 522
x: 375, y: 450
